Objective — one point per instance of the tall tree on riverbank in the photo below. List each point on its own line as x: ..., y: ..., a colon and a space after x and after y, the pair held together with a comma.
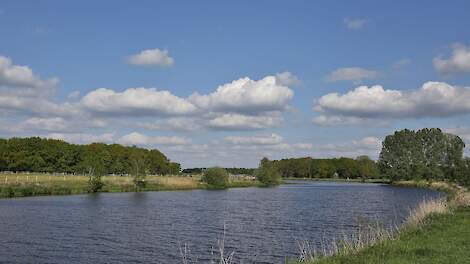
x: 424, y: 154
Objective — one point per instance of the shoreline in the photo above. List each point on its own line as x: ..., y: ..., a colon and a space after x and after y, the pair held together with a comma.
x: 416, y: 235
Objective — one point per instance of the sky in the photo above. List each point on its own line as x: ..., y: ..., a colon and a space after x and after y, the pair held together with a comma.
x: 225, y: 83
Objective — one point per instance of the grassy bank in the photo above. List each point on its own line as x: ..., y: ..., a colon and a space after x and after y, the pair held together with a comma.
x: 436, y: 231
x: 22, y: 185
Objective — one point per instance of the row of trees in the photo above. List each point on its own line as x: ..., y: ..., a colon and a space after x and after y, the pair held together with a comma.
x: 426, y: 154
x: 36, y: 154
x: 244, y: 171
x: 361, y: 167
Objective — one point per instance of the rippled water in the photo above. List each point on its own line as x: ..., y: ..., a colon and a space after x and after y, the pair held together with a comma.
x: 262, y: 225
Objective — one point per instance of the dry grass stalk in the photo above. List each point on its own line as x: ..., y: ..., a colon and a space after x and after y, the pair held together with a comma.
x: 426, y: 208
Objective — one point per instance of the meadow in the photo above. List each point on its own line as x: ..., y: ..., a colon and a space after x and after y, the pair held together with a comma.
x: 34, y: 184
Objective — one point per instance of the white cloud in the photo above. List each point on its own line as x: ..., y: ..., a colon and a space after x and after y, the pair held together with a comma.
x: 272, y: 139
x: 246, y: 96
x: 136, y: 138
x: 355, y: 74
x: 152, y: 57
x: 136, y: 102
x: 458, y: 62
x: 433, y: 99
x: 21, y: 81
x: 83, y: 138
x: 354, y: 23
x: 287, y: 79
x: 244, y: 122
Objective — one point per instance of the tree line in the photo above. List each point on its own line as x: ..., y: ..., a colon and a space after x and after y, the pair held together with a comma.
x: 36, y: 154
x: 361, y: 167
x: 426, y: 154
x: 244, y: 171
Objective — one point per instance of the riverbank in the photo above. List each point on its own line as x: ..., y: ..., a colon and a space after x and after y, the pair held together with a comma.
x: 24, y: 185
x: 435, y: 232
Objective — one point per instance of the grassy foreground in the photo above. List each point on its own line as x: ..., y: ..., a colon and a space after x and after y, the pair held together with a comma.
x: 437, y: 231
x: 22, y: 185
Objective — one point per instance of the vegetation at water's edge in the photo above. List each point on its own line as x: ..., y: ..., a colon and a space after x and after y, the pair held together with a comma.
x: 216, y: 178
x: 22, y: 185
x: 440, y: 238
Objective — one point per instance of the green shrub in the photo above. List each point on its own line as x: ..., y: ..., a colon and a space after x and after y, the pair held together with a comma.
x: 216, y: 177
x: 267, y: 174
x: 95, y: 184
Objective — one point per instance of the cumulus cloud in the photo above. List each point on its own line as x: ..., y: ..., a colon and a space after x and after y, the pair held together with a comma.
x: 136, y: 102
x: 21, y: 81
x: 354, y: 23
x: 272, y: 139
x: 355, y: 74
x: 138, y: 139
x: 287, y: 79
x: 458, y: 62
x: 152, y: 57
x: 433, y: 99
x: 244, y: 122
x: 246, y: 96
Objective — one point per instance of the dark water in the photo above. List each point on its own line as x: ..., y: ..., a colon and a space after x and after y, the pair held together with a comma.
x: 262, y: 225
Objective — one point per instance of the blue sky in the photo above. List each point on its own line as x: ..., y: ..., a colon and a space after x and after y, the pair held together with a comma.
x: 290, y: 72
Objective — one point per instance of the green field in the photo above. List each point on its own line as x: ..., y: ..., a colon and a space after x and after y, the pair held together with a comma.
x: 21, y: 185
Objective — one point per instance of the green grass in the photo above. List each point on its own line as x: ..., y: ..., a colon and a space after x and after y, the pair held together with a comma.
x: 444, y: 238
x: 22, y: 185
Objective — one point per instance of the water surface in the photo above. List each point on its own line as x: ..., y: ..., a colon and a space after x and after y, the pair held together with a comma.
x: 262, y: 225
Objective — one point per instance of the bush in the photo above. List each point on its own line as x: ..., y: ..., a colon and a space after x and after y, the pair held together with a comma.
x: 95, y: 184
x: 268, y: 174
x: 216, y: 177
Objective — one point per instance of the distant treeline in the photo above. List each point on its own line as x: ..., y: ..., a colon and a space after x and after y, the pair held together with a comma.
x: 36, y: 154
x: 361, y: 167
x: 245, y: 171
x: 426, y: 154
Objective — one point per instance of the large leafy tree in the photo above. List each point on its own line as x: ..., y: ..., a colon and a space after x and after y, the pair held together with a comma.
x: 427, y: 153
